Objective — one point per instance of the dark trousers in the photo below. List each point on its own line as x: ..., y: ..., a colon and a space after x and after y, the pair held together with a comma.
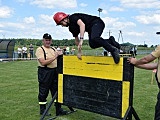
x: 31, y: 54
x: 24, y: 55
x: 157, y: 108
x: 105, y: 53
x: 95, y: 39
x: 48, y: 81
x: 19, y: 55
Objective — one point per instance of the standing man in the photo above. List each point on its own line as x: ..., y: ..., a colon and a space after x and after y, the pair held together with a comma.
x: 31, y: 51
x: 67, y: 50
x: 80, y: 23
x: 144, y: 63
x: 24, y: 52
x: 19, y: 52
x: 47, y: 73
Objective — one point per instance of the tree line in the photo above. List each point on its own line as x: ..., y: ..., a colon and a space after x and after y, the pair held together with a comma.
x: 38, y: 42
x: 64, y: 42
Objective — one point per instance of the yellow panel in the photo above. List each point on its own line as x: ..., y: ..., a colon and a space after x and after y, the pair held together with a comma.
x: 93, y: 66
x: 60, y: 88
x: 125, y: 97
x: 92, y: 59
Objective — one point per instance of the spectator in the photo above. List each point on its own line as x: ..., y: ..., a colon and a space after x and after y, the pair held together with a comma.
x: 105, y: 52
x: 133, y: 51
x: 58, y: 48
x: 72, y: 50
x: 64, y: 50
x: 67, y: 50
x: 31, y: 49
x: 24, y: 52
x: 19, y: 50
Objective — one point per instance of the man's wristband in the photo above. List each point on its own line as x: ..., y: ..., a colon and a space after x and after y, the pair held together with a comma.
x: 81, y: 38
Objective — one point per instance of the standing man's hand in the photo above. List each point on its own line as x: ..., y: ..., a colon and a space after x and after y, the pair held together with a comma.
x: 132, y: 60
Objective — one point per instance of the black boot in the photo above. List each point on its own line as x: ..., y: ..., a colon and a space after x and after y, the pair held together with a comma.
x: 113, y: 42
x: 115, y: 55
x: 42, y: 109
x: 59, y: 110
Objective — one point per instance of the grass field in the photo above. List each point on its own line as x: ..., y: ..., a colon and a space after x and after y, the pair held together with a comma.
x: 19, y: 89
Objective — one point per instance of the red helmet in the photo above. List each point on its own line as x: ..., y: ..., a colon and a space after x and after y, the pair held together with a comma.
x: 59, y: 16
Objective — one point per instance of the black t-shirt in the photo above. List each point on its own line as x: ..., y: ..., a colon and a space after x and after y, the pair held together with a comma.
x: 88, y: 20
x: 30, y: 49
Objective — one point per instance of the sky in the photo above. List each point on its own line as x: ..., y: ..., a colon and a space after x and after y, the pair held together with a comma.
x: 138, y: 20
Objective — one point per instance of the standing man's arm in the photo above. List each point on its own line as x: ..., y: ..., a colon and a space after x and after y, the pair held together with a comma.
x: 143, y: 62
x: 149, y: 66
x: 47, y: 61
x: 147, y: 59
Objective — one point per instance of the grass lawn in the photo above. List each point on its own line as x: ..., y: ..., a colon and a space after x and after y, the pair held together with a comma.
x: 19, y: 89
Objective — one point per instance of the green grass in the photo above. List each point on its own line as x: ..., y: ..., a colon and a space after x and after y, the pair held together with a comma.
x: 19, y: 90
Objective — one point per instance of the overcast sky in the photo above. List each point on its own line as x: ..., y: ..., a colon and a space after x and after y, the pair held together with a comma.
x: 139, y: 20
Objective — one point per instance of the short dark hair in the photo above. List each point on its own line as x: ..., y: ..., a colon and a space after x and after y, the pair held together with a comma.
x: 47, y: 36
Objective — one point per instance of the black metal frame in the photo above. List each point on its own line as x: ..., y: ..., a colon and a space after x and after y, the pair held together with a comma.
x: 49, y: 106
x: 131, y: 111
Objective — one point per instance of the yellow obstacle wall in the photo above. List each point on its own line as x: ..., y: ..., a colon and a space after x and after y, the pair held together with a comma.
x: 96, y: 84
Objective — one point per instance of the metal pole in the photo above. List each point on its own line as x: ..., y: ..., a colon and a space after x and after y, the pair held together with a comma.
x: 99, y: 10
x: 50, y: 104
